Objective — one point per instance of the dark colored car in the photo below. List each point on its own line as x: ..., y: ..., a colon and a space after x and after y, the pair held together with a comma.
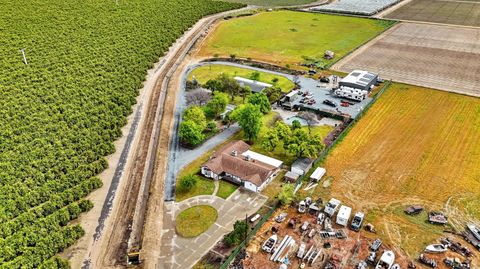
x: 414, y: 210
x: 329, y: 103
x: 324, y: 80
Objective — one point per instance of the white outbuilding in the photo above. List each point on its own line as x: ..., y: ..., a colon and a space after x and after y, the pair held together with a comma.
x: 318, y: 174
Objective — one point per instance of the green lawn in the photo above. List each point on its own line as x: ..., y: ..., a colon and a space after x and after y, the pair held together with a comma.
x: 195, y: 220
x: 204, y: 73
x: 225, y: 189
x: 283, y: 37
x: 204, y: 186
x: 272, y: 3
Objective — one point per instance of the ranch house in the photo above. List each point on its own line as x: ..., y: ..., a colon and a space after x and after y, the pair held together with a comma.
x: 239, y: 165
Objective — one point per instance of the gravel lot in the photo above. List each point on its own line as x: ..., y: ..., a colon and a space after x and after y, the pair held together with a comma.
x: 464, y: 12
x: 439, y: 57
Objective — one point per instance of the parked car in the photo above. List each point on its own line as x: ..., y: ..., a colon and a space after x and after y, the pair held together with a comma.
x: 376, y: 245
x: 280, y: 218
x: 414, y: 210
x: 357, y: 221
x: 329, y: 103
x: 324, y: 80
x: 255, y: 218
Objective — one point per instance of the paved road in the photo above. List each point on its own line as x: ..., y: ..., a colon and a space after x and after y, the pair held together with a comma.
x: 179, y: 157
x: 178, y: 252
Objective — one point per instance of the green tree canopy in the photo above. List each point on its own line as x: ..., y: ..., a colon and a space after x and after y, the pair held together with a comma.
x: 190, y: 133
x: 188, y: 182
x: 286, y: 195
x: 260, y: 100
x: 224, y: 83
x: 273, y: 93
x: 302, y: 144
x: 249, y: 118
x: 296, y: 125
x: 195, y: 114
x: 217, y: 105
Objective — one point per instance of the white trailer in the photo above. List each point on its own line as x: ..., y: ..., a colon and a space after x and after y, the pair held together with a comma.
x: 331, y: 207
x: 343, y: 215
x: 318, y: 174
x: 351, y: 93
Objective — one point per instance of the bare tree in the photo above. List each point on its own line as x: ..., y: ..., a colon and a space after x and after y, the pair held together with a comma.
x: 199, y: 97
x: 309, y: 117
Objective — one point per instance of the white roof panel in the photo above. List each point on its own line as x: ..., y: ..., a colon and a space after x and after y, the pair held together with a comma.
x: 254, y: 82
x: 318, y: 173
x: 262, y: 158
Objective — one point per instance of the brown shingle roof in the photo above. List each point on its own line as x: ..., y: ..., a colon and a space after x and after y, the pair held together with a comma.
x: 255, y: 171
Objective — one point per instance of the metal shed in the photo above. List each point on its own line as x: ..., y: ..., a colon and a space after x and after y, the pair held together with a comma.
x: 318, y: 173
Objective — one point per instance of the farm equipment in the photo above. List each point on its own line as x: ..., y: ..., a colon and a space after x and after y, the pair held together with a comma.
x: 376, y: 245
x: 292, y: 223
x: 414, y: 210
x: 333, y: 263
x: 436, y: 217
x: 370, y: 228
x: 456, y: 263
x: 427, y: 261
x: 457, y: 247
x: 280, y: 218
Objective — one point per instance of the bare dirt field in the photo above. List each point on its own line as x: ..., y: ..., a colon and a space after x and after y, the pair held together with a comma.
x: 439, y: 11
x: 414, y: 146
x: 440, y: 57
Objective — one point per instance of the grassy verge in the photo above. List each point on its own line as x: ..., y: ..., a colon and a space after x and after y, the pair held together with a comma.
x: 225, y: 189
x: 195, y: 220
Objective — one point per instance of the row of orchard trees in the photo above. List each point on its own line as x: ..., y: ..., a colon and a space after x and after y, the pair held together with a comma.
x: 60, y: 113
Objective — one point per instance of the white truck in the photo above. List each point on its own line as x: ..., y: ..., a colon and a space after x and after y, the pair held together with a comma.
x: 344, y: 215
x: 331, y: 207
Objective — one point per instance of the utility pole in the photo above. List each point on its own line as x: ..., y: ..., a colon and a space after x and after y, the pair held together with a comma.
x: 24, y: 57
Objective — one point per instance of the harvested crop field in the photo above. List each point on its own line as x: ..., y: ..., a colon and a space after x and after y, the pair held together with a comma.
x: 440, y: 57
x: 439, y: 11
x: 414, y: 146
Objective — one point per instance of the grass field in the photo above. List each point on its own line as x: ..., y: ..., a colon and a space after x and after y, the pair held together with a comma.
x: 415, y: 145
x: 204, y: 73
x: 195, y: 220
x: 449, y: 12
x: 284, y: 37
